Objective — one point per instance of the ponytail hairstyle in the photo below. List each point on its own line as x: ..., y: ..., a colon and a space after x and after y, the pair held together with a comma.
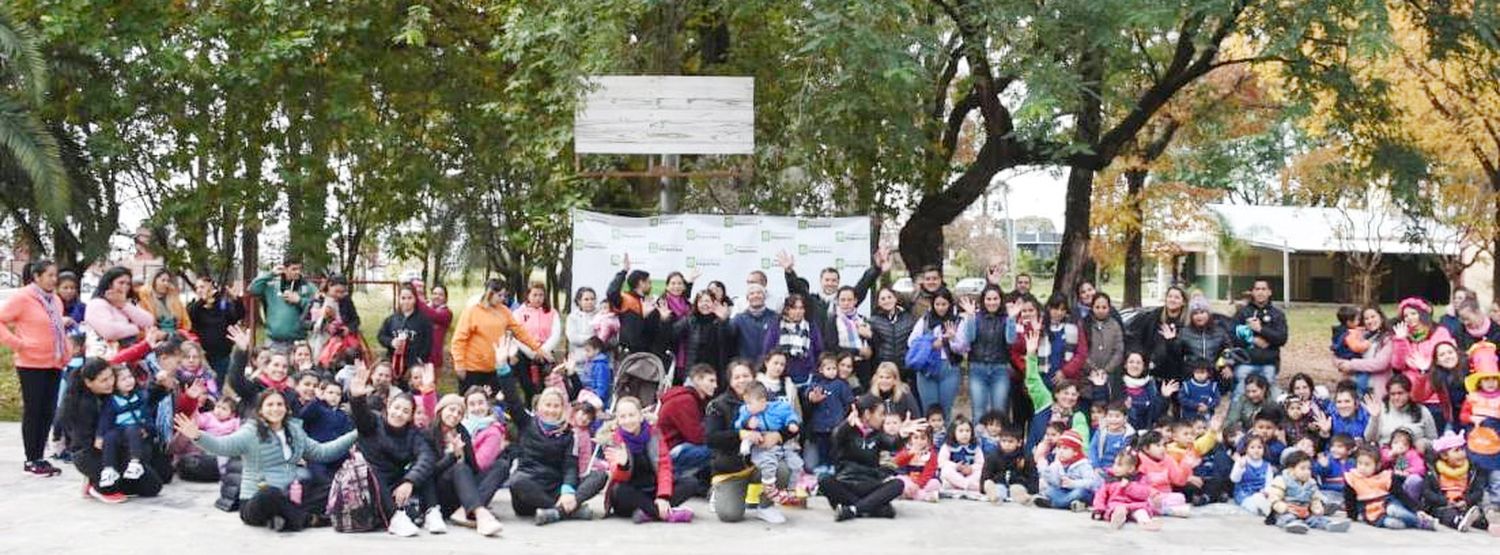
x: 32, y: 269
x: 78, y: 393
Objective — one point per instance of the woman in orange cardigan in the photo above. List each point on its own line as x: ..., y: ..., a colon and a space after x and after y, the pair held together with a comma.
x: 32, y: 325
x: 477, y: 336
x: 162, y: 298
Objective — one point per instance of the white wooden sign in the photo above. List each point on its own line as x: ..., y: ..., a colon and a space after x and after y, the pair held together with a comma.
x: 666, y: 115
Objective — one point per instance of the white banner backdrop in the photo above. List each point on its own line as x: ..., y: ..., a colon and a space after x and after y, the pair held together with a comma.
x: 723, y: 248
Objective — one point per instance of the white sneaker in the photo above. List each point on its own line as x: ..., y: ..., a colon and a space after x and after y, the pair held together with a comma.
x: 402, y: 526
x: 108, y: 477
x: 771, y: 515
x: 434, y: 521
x: 134, y: 470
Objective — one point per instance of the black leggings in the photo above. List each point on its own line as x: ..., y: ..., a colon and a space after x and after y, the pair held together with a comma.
x: 864, y: 496
x: 269, y: 502
x: 625, y: 498
x: 461, y: 486
x: 423, y: 495
x: 482, y: 379
x: 89, y: 460
x: 527, y: 494
x: 38, y: 407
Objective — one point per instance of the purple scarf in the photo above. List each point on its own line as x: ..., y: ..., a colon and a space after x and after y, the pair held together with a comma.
x: 678, y: 305
x: 638, y: 441
x: 54, y: 315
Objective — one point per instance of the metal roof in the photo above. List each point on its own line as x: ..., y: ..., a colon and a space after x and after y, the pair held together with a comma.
x: 1321, y: 229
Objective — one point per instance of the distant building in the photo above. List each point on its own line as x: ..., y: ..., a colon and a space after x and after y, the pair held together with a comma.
x: 1304, y: 252
x: 1041, y: 244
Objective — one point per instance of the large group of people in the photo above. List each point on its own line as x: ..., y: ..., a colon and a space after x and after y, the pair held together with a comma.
x: 649, y: 401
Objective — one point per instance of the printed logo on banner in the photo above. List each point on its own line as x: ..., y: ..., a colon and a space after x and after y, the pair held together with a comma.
x: 614, y: 260
x: 803, y: 223
x: 654, y: 221
x: 706, y: 235
x: 804, y: 249
x: 728, y: 221
x: 692, y: 234
x: 851, y: 236
x: 654, y: 247
x: 765, y: 263
x: 692, y: 262
x: 769, y: 236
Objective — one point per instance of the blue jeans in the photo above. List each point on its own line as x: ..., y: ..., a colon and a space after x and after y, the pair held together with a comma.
x: 1061, y: 498
x: 1245, y: 370
x: 989, y: 388
x: 1396, y: 510
x: 940, y: 391
x: 689, y: 458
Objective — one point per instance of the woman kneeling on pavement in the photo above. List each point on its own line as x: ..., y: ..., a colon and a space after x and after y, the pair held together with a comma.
x: 733, y: 483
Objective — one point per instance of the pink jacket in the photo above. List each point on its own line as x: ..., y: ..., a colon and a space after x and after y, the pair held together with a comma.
x: 1165, y: 474
x: 1411, y: 462
x: 34, y: 339
x: 114, y: 324
x: 1415, y: 359
x: 1133, y: 495
x: 215, y: 427
x: 488, y: 444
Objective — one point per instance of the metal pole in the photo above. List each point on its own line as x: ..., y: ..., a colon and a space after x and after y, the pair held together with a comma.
x: 1286, y: 276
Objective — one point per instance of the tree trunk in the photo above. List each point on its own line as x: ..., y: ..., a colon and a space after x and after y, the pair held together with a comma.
x: 1073, y: 256
x: 1135, y: 182
x: 1495, y: 250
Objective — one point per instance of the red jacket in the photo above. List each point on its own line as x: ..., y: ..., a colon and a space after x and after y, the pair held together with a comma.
x: 657, y: 449
x: 680, y: 418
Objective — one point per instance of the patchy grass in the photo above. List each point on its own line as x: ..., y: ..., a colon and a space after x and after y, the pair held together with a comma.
x: 10, y: 389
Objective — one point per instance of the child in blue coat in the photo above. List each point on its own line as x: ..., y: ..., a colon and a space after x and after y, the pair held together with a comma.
x: 122, y: 419
x: 1250, y: 473
x: 1113, y: 435
x: 833, y: 398
x: 761, y: 415
x: 323, y: 421
x: 1200, y: 395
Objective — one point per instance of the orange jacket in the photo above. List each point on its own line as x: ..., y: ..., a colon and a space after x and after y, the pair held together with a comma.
x: 1479, y: 403
x: 478, y: 330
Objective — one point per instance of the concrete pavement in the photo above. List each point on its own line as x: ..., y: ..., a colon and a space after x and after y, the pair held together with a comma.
x: 50, y: 516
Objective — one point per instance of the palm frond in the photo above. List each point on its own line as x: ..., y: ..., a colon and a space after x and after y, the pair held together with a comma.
x: 26, y: 143
x: 21, y: 58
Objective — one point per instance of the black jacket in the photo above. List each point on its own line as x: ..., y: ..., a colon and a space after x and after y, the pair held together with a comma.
x: 211, y: 321
x: 705, y: 338
x: 719, y: 433
x: 889, y: 334
x: 548, y: 459
x: 638, y: 334
x: 1273, y: 329
x: 249, y: 389
x: 418, y: 346
x: 1142, y: 335
x: 1433, y: 497
x: 392, y: 453
x: 857, y: 455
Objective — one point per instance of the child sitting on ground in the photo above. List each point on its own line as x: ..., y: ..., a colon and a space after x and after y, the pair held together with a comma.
x: 936, y: 424
x: 1406, y: 464
x: 122, y: 420
x: 1163, y: 473
x: 1368, y: 496
x: 219, y: 422
x: 1125, y: 496
x: 1210, y: 480
x: 1069, y: 479
x: 760, y: 415
x: 1250, y: 473
x: 991, y: 425
x: 1199, y: 397
x: 1453, y: 491
x: 1296, y: 504
x: 1009, y: 475
x: 1331, y: 467
x: 961, y: 461
x: 916, y: 467
x: 1191, y: 443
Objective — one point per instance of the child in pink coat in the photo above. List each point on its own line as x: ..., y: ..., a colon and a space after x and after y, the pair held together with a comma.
x: 1126, y: 496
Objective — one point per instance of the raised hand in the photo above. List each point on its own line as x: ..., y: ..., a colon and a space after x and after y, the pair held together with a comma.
x: 693, y: 275
x: 1371, y: 404
x: 240, y: 337
x: 1033, y: 340
x: 359, y: 386
x: 625, y: 264
x: 1170, y: 388
x: 994, y: 273
x: 785, y: 260
x: 186, y: 426
x: 883, y: 259
x: 1167, y: 331
x: 721, y: 311
x: 1400, y: 330
x: 1013, y: 309
x: 967, y: 306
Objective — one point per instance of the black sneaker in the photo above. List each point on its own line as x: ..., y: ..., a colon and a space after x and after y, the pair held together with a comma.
x: 41, y: 469
x: 843, y: 513
x: 883, y: 511
x: 1042, y: 502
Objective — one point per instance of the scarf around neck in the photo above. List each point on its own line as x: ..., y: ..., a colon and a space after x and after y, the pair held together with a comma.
x: 637, y: 442
x: 54, y: 318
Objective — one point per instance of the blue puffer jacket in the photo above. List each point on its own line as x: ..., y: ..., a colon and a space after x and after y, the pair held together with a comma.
x: 828, y: 414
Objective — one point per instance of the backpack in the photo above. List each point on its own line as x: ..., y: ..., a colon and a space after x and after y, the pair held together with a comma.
x: 922, y: 358
x: 353, y: 498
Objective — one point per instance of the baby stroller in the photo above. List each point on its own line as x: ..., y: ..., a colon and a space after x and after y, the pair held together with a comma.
x: 641, y: 375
